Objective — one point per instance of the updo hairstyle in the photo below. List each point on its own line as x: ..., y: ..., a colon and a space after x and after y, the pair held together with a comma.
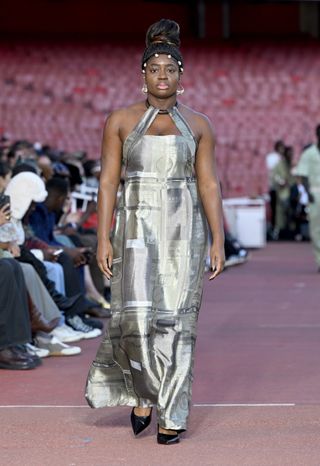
x: 163, y: 37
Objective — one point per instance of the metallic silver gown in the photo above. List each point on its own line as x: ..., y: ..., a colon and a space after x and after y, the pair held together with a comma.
x: 159, y: 246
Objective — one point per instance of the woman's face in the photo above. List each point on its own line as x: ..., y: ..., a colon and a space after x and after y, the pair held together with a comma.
x: 4, y: 181
x: 162, y: 76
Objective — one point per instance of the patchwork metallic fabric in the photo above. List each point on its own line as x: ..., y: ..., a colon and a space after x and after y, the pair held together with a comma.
x: 159, y: 244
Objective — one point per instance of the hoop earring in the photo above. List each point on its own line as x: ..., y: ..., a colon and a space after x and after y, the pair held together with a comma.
x: 144, y: 89
x: 181, y: 90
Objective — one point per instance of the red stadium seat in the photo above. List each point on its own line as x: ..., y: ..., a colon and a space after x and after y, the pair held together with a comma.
x: 253, y: 94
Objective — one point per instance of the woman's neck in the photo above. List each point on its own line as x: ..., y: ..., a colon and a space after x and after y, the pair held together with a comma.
x: 162, y: 104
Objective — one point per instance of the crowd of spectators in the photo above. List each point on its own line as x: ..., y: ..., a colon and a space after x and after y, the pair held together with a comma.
x: 51, y: 289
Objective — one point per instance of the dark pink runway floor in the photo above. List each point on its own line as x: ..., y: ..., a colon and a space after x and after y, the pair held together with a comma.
x: 256, y: 392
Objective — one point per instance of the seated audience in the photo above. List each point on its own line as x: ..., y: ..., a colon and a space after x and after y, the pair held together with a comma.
x: 24, y: 189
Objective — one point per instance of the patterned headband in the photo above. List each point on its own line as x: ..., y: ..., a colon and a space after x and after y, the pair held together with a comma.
x: 160, y: 47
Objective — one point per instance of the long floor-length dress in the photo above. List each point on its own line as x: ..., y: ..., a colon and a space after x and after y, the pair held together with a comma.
x: 159, y: 248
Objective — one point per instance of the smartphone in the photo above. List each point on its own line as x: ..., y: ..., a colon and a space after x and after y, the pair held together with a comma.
x: 57, y: 252
x: 4, y: 200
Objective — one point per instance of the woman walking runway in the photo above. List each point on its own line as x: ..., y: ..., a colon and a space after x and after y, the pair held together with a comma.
x: 156, y: 256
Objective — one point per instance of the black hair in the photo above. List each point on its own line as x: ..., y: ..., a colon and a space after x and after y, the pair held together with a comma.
x: 278, y: 143
x: 11, y: 154
x: 4, y: 169
x: 164, y: 30
x: 288, y: 154
x: 58, y: 185
x: 318, y: 129
x: 16, y: 146
x: 88, y: 165
x: 163, y: 37
x: 75, y: 176
x: 23, y: 167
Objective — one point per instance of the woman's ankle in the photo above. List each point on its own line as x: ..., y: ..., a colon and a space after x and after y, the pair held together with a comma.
x: 167, y: 431
x: 138, y: 411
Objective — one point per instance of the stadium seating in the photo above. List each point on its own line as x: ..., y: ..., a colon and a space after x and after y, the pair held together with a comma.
x: 254, y: 94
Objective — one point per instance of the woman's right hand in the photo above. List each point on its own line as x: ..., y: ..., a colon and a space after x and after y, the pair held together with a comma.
x: 105, y: 257
x: 5, y: 214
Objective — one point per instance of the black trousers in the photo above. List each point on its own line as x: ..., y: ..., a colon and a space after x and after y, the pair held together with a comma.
x: 70, y: 305
x: 85, y: 238
x: 15, y: 326
x: 72, y: 277
x: 273, y: 206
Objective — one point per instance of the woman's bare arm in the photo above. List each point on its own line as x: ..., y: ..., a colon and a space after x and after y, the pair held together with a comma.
x: 209, y: 189
x: 109, y: 183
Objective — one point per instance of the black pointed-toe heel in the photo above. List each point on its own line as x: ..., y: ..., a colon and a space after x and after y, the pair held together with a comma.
x: 139, y: 423
x: 166, y: 439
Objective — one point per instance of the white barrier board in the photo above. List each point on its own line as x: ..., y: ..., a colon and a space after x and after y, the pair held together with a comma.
x: 246, y: 219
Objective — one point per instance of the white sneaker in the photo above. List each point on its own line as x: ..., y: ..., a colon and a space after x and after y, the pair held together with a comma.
x: 96, y: 332
x: 40, y: 352
x: 87, y: 332
x: 234, y: 260
x: 66, y: 334
x: 55, y: 346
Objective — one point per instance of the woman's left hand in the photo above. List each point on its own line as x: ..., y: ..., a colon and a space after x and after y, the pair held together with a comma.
x: 217, y: 258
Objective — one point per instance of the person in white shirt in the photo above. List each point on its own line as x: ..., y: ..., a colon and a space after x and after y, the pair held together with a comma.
x: 272, y: 159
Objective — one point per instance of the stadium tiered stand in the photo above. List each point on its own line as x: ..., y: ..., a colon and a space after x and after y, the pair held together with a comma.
x: 253, y: 93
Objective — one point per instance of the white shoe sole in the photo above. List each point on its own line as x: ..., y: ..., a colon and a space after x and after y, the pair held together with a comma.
x: 93, y: 334
x: 67, y: 352
x: 70, y: 339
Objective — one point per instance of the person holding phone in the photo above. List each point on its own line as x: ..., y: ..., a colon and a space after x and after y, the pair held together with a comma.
x: 14, y: 309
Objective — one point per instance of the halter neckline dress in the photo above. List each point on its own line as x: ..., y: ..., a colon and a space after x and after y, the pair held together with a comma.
x: 159, y: 248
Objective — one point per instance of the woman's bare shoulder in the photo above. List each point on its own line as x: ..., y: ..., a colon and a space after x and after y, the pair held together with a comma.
x: 194, y: 114
x: 124, y: 115
x: 198, y: 121
x: 123, y: 120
